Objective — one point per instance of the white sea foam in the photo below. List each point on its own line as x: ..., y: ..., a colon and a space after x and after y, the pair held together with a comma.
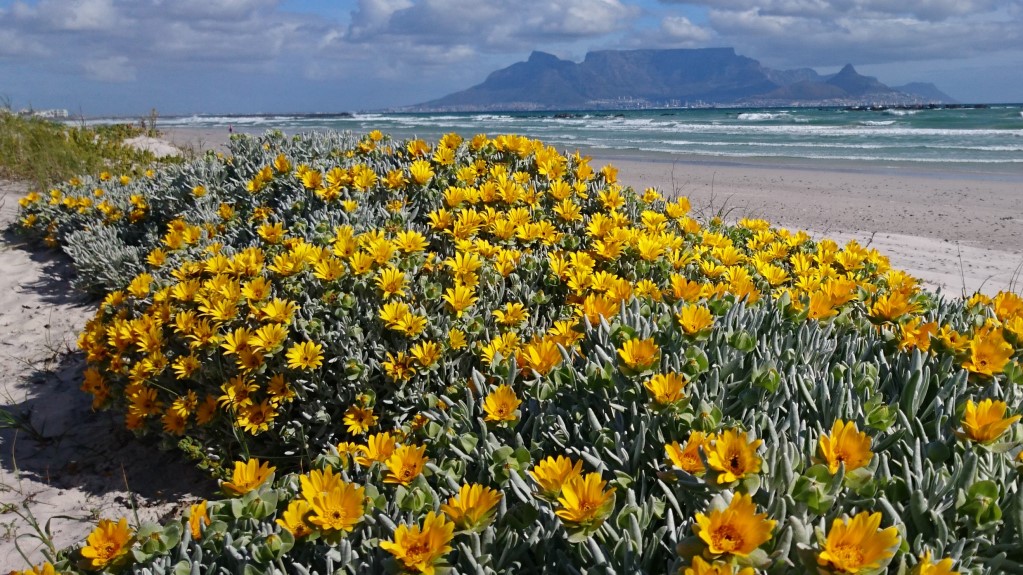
x: 809, y: 134
x: 892, y: 112
x: 761, y: 116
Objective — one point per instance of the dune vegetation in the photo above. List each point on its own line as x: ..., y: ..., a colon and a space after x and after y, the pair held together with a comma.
x: 486, y: 356
x: 44, y: 152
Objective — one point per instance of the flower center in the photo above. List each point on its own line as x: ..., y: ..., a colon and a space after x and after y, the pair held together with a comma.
x: 417, y: 552
x: 734, y: 462
x: 847, y: 556
x: 727, y: 539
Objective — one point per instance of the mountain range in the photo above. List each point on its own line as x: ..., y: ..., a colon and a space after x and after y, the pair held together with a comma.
x: 617, y: 79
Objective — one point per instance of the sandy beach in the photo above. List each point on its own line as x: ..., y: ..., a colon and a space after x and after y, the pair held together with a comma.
x: 61, y: 463
x: 59, y: 460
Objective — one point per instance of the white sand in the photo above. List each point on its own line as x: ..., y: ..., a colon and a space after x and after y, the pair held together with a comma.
x: 63, y: 461
x: 159, y: 147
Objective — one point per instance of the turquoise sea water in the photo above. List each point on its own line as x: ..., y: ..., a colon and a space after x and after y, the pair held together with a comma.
x: 985, y: 138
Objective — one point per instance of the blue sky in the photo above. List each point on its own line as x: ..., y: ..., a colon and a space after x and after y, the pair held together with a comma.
x: 124, y: 57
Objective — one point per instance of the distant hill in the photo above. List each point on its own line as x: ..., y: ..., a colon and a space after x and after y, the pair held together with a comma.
x: 927, y: 91
x: 615, y: 79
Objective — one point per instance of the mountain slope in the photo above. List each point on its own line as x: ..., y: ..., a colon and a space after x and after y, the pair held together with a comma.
x: 927, y: 91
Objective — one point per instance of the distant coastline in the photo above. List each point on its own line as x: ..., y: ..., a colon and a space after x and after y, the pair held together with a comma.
x: 983, y: 139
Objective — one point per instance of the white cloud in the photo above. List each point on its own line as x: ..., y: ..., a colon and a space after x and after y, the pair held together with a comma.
x: 213, y: 9
x: 371, y: 17
x: 928, y: 10
x: 804, y: 40
x: 113, y: 69
x: 493, y: 25
x: 13, y: 44
x: 385, y: 44
x: 679, y: 31
x: 81, y: 15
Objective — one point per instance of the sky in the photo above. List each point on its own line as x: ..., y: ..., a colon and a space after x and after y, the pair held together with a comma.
x: 127, y: 57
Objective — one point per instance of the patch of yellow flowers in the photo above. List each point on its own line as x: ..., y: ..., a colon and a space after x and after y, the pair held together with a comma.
x: 475, y: 256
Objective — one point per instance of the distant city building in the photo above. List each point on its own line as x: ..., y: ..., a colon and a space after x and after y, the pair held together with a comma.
x: 54, y: 113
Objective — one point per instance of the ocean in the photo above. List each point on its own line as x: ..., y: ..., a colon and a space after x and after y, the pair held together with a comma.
x: 985, y: 139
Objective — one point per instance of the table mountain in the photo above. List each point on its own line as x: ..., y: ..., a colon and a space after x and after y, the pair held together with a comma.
x: 615, y: 79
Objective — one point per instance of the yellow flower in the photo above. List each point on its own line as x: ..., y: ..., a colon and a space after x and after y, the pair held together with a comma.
x: 856, y: 545
x: 985, y: 422
x: 421, y: 171
x: 464, y: 265
x: 197, y: 518
x: 269, y: 337
x: 456, y: 339
x: 892, y: 306
x: 419, y: 549
x: 552, y: 473
x: 666, y: 387
x: 583, y: 499
x: 541, y: 356
x: 318, y: 482
x: 737, y: 529
x: 701, y: 567
x: 460, y: 298
x: 405, y: 464
x: 821, y: 306
x: 391, y: 282
x: 426, y: 353
x: 295, y: 518
x: 305, y: 355
x: 847, y: 445
x: 46, y: 568
x: 108, y: 544
x: 359, y: 420
x: 694, y: 318
x: 928, y: 567
x: 917, y: 334
x: 472, y: 507
x: 596, y: 306
x: 732, y: 456
x: 512, y: 314
x: 339, y: 509
x: 1007, y: 305
x: 989, y: 352
x: 378, y: 449
x: 247, y: 476
x: 640, y: 354
x: 688, y: 458
x: 501, y: 404
x: 140, y: 285
x: 399, y: 367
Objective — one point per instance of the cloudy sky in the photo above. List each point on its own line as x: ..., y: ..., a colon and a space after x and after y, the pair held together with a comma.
x: 123, y: 57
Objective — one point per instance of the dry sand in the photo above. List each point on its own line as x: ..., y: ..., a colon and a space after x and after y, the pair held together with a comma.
x: 61, y: 460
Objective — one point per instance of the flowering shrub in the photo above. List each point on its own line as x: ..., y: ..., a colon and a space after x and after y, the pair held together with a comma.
x: 493, y: 357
